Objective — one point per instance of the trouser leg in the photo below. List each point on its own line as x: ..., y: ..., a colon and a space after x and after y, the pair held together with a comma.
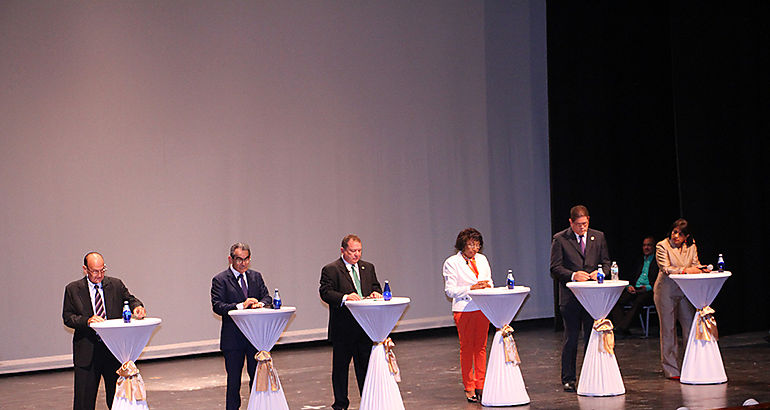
x: 234, y: 367
x: 341, y: 355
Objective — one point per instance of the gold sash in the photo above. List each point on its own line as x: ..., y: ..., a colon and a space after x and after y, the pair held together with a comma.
x: 509, y: 346
x: 267, y: 378
x: 604, y: 326
x: 130, y: 385
x: 390, y: 355
x: 706, y: 329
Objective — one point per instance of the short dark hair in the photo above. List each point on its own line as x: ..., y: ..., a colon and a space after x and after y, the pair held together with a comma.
x: 241, y: 246
x: 85, y: 258
x: 681, y: 223
x: 350, y: 237
x: 468, y: 235
x: 577, y: 211
x: 649, y: 237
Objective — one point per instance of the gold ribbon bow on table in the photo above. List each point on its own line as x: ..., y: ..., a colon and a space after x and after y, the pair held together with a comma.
x: 706, y: 329
x: 390, y: 355
x: 267, y: 378
x: 604, y: 326
x: 130, y: 385
x: 509, y: 346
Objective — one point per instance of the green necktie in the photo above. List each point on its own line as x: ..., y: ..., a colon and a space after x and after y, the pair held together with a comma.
x: 356, y: 280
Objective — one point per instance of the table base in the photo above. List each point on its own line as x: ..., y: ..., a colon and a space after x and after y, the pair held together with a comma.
x: 380, y: 388
x: 702, y: 360
x: 120, y: 403
x: 503, y: 385
x: 600, y: 375
x: 267, y: 400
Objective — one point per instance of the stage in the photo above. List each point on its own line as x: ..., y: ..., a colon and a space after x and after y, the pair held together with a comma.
x: 429, y: 365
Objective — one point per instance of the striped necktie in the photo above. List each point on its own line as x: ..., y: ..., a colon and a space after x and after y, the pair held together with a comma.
x: 99, y: 303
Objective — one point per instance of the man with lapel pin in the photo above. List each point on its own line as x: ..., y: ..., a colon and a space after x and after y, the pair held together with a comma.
x: 95, y: 298
x: 576, y: 253
x: 347, y: 279
x: 238, y: 287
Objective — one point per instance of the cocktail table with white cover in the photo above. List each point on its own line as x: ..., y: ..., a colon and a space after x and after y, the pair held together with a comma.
x: 378, y: 317
x: 702, y: 361
x: 126, y: 341
x: 600, y: 375
x: 263, y: 327
x: 503, y: 385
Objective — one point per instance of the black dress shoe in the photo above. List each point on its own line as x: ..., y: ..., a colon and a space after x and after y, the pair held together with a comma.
x: 569, y: 386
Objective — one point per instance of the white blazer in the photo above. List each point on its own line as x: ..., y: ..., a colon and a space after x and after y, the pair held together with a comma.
x: 458, y: 279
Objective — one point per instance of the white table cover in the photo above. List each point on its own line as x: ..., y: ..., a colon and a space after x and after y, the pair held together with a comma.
x: 126, y: 341
x: 504, y: 385
x: 263, y: 327
x: 378, y: 317
x: 600, y: 375
x: 702, y: 362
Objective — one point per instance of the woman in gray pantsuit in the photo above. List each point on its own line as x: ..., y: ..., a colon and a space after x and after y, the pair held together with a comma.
x: 675, y: 254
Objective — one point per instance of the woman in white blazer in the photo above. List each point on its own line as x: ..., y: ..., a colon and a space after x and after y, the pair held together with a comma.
x: 468, y: 269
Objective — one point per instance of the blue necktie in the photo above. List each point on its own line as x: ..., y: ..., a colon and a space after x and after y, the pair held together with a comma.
x: 243, y: 286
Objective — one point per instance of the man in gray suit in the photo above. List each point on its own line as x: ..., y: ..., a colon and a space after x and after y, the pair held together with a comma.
x: 576, y: 253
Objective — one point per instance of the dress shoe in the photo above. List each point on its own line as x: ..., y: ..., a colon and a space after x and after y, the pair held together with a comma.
x: 569, y: 386
x: 479, y: 393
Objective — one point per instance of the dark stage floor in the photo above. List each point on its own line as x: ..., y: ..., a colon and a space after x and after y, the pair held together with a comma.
x: 429, y: 364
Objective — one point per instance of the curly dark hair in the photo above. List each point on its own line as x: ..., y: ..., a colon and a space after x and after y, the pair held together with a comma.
x: 468, y: 235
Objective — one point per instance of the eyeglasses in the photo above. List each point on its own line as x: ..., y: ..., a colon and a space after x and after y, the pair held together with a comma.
x: 97, y: 271
x: 241, y: 260
x: 473, y: 245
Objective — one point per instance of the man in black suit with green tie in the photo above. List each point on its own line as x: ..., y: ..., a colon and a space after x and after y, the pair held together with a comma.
x: 348, y: 279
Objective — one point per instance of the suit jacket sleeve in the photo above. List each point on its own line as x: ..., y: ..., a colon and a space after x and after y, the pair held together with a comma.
x: 329, y: 288
x: 74, y: 315
x: 558, y: 271
x: 261, y: 293
x: 604, y: 255
x: 219, y: 302
x: 123, y: 294
x: 374, y: 284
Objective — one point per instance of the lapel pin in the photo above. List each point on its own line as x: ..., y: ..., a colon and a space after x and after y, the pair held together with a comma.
x: 592, y: 238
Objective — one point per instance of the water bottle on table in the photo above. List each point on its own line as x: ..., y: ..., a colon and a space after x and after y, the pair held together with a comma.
x: 387, y: 294
x: 600, y: 275
x: 126, y: 312
x: 509, y: 281
x: 721, y: 263
x: 614, y: 271
x: 277, y: 300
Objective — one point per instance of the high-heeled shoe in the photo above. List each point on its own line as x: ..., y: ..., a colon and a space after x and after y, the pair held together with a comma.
x: 471, y: 397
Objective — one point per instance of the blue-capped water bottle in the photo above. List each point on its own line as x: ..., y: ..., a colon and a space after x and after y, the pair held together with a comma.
x: 600, y: 275
x: 509, y: 280
x: 126, y: 312
x: 387, y: 294
x: 277, y: 300
x: 721, y: 263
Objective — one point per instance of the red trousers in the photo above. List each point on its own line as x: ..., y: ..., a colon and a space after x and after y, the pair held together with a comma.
x: 472, y: 328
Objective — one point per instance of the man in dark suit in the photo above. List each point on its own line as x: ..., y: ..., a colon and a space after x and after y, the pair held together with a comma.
x: 639, y: 291
x: 95, y: 298
x: 347, y: 279
x: 576, y: 253
x: 238, y: 287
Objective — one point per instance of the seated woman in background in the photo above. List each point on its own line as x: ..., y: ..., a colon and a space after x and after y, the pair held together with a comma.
x: 675, y: 254
x: 466, y: 270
